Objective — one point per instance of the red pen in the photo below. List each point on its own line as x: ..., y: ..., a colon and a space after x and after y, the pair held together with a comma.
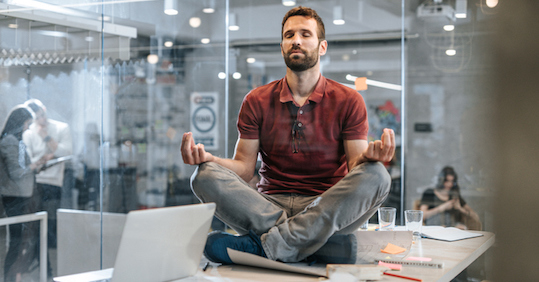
x: 401, y: 276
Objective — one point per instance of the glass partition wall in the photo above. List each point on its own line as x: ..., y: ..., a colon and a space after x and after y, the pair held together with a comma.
x: 130, y: 77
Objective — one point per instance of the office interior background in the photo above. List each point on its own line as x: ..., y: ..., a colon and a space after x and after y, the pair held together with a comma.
x: 130, y: 77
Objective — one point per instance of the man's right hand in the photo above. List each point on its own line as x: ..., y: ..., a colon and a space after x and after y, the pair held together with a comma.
x: 192, y: 153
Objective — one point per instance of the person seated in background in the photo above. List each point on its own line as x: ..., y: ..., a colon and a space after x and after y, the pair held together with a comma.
x: 444, y: 205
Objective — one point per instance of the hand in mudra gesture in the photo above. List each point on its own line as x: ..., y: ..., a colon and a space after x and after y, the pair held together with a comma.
x: 382, y: 150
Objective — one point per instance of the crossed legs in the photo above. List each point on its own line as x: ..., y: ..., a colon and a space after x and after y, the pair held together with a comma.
x: 286, y: 235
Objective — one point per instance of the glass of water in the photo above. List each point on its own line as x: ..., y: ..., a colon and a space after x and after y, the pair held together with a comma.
x: 414, y: 221
x: 386, y: 218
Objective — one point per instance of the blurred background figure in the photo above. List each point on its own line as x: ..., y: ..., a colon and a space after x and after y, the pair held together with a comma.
x: 19, y: 195
x: 50, y: 139
x: 444, y: 205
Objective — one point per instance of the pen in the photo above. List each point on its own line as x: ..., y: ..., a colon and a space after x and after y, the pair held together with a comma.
x: 401, y: 276
x: 206, y: 266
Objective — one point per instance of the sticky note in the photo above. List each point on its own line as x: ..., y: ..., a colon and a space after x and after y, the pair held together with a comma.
x: 419, y: 258
x: 361, y: 83
x: 392, y: 266
x: 393, y: 249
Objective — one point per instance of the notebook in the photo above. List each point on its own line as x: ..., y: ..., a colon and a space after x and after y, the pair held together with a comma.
x: 159, y: 244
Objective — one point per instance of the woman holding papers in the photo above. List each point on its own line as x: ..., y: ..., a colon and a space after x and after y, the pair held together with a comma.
x: 17, y: 178
x: 444, y: 206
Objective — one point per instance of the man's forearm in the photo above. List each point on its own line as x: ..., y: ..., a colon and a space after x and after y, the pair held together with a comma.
x: 239, y: 167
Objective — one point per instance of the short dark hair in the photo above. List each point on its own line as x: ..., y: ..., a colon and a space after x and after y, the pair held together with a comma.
x: 309, y: 13
x: 35, y: 105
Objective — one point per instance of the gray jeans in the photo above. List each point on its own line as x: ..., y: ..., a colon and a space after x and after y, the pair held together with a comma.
x: 293, y: 226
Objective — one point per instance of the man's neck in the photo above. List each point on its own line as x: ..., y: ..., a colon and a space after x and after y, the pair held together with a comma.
x: 302, y: 84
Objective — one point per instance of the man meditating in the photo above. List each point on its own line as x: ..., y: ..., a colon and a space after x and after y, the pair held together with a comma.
x: 320, y: 178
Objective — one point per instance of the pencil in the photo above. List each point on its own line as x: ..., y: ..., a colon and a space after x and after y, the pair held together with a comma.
x: 401, y: 276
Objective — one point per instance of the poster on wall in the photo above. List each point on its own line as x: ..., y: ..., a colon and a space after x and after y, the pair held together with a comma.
x: 204, y: 113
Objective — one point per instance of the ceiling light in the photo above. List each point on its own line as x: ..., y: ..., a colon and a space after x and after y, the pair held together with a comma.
x: 251, y: 60
x: 89, y: 38
x: 221, y: 75
x: 12, y: 26
x: 232, y: 22
x: 52, y: 33
x: 338, y: 18
x: 236, y: 75
x: 460, y: 9
x: 152, y: 59
x: 289, y: 3
x: 171, y: 7
x: 492, y: 3
x: 210, y: 7
x: 195, y: 22
x: 105, y: 18
x: 168, y: 44
x: 205, y: 40
x: 449, y: 27
x: 451, y: 52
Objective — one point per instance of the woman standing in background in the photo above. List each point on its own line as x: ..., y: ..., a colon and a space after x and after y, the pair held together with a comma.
x: 17, y: 186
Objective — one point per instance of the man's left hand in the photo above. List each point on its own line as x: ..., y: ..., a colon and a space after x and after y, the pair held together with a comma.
x: 381, y: 150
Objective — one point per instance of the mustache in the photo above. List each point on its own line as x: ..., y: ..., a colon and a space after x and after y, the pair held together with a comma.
x: 296, y: 48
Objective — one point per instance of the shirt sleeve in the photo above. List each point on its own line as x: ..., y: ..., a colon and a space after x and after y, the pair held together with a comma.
x: 12, y: 152
x: 248, y: 119
x: 356, y: 124
x: 65, y: 143
x: 428, y: 198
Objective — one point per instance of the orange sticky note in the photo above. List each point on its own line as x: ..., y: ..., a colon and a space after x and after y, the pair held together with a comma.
x: 361, y: 83
x: 393, y: 249
x: 392, y: 266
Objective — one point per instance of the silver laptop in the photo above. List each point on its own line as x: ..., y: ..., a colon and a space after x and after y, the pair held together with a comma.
x: 158, y: 245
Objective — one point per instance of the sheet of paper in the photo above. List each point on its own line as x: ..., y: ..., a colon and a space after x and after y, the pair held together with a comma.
x: 253, y: 260
x: 447, y: 233
x: 393, y: 249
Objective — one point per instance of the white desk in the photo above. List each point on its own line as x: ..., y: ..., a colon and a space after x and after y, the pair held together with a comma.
x: 456, y: 256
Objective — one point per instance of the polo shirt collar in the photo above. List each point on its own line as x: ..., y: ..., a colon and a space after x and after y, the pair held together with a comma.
x: 316, y: 96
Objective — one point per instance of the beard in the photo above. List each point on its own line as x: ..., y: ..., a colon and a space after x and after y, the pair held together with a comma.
x: 295, y: 63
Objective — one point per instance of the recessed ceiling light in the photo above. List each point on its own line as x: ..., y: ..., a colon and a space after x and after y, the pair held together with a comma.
x: 289, y: 3
x: 492, y: 3
x: 451, y: 52
x: 12, y: 26
x: 168, y: 44
x: 449, y: 27
x: 251, y: 60
x: 152, y: 59
x: 205, y: 40
x: 195, y: 22
x: 221, y: 75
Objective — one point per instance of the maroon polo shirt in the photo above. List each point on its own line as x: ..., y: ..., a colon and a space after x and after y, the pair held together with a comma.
x: 313, y: 160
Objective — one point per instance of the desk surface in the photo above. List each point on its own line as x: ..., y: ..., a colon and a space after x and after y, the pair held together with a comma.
x: 456, y: 256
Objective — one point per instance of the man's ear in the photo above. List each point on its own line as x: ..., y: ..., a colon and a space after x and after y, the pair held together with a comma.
x: 322, y: 49
x: 282, y: 51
